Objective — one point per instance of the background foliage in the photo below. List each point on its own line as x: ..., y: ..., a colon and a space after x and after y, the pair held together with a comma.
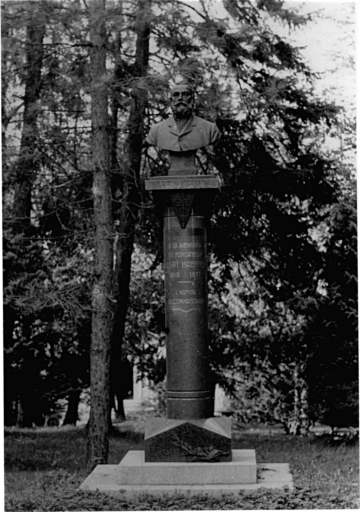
x: 283, y: 272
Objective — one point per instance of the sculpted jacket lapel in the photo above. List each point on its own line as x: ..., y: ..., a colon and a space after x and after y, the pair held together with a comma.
x: 172, y: 126
x: 189, y: 125
x: 188, y: 128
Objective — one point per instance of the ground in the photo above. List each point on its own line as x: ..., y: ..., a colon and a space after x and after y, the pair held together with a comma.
x: 44, y: 468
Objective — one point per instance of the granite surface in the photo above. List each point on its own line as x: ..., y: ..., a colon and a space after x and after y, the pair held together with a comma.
x: 182, y: 182
x: 168, y: 440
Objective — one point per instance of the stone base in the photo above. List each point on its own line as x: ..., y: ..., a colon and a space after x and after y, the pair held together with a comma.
x: 169, y: 440
x: 134, y: 477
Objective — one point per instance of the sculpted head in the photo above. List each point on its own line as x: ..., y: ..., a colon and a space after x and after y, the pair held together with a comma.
x: 182, y: 100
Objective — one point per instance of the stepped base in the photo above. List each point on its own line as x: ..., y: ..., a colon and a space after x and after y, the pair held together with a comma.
x: 134, y: 477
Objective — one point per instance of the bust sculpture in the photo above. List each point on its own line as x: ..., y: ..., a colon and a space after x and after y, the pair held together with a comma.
x: 183, y: 133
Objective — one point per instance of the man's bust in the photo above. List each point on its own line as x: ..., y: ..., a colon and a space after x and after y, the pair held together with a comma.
x: 183, y: 133
x: 197, y: 133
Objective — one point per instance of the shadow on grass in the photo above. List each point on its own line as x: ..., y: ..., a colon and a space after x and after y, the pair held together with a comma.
x: 130, y: 435
x: 60, y: 448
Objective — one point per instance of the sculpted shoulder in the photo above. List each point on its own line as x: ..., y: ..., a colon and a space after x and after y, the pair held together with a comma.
x: 211, y: 130
x: 152, y: 136
x: 197, y: 133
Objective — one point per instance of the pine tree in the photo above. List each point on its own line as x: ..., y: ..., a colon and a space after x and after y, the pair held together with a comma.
x: 102, y: 308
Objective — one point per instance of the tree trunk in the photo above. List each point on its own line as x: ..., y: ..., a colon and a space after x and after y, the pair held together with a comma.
x: 114, y: 104
x: 28, y: 403
x: 71, y: 415
x: 115, y: 357
x: 130, y: 184
x: 27, y: 163
x: 98, y: 443
x: 5, y: 32
x: 21, y: 206
x: 11, y: 381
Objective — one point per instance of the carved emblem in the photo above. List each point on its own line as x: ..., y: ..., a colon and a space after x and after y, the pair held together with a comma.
x: 198, y: 453
x: 182, y: 202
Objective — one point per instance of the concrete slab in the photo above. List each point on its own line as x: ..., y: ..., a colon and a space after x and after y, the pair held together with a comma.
x: 125, y: 481
x: 134, y: 470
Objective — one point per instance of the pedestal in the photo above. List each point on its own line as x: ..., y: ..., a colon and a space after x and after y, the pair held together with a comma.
x: 189, y: 433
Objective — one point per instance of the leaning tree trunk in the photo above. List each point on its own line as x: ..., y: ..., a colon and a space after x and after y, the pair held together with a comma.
x: 98, y: 443
x: 130, y: 185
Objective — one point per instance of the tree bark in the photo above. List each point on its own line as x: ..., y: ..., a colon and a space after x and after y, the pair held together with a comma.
x: 130, y: 184
x: 27, y: 401
x: 71, y: 415
x: 5, y: 32
x: 114, y: 104
x: 98, y: 443
x: 11, y: 381
x: 27, y: 163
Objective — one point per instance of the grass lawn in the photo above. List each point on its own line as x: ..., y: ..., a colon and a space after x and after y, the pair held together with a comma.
x: 44, y: 468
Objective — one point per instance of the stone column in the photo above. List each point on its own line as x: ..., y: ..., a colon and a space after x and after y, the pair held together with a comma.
x: 188, y: 433
x: 185, y: 264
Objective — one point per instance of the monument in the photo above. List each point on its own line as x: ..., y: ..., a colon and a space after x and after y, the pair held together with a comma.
x: 189, y: 450
x: 189, y: 433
